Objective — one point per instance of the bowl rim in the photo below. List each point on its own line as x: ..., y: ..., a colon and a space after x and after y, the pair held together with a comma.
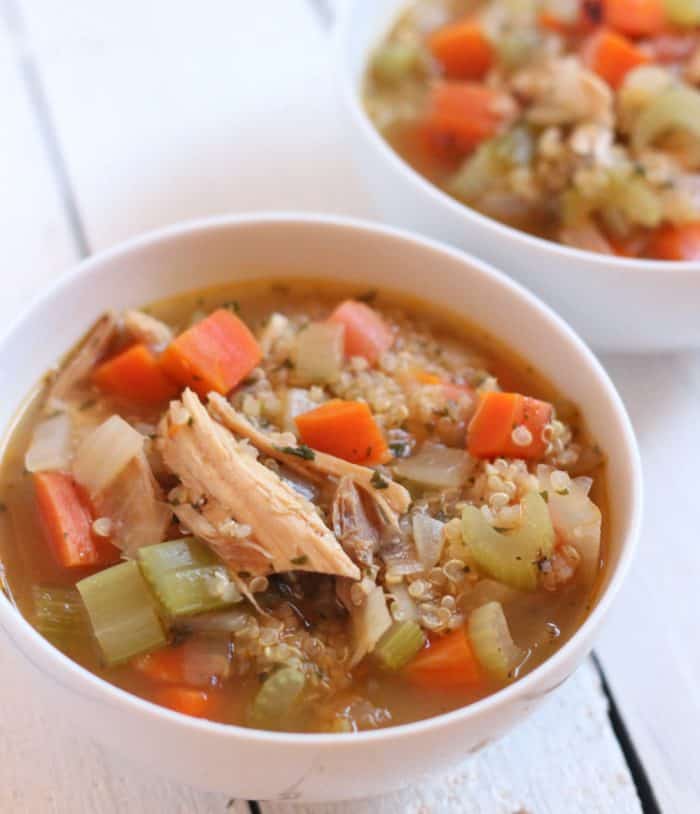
x: 16, y: 627
x: 556, y: 252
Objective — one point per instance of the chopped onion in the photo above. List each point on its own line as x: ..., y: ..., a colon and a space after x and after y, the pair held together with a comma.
x: 493, y: 645
x: 104, y: 453
x: 403, y: 603
x: 131, y: 502
x: 436, y: 467
x: 217, y: 622
x: 428, y: 538
x: 370, y: 621
x: 50, y: 446
x: 576, y: 519
x: 511, y: 558
x: 319, y: 353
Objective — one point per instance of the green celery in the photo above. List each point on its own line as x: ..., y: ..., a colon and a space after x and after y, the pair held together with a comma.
x: 187, y: 578
x: 399, y: 645
x: 275, y: 699
x: 59, y: 615
x: 122, y: 612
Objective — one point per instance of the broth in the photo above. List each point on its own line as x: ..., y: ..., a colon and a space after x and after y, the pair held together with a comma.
x: 308, y: 626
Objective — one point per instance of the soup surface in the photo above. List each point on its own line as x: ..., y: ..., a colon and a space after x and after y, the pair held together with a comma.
x: 574, y: 120
x: 292, y: 506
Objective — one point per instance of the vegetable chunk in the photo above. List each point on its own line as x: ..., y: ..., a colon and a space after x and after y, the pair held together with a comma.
x: 366, y: 333
x: 345, y: 429
x: 462, y: 49
x: 135, y: 375
x: 612, y: 56
x: 447, y: 662
x: 509, y: 425
x: 215, y: 354
x: 66, y: 519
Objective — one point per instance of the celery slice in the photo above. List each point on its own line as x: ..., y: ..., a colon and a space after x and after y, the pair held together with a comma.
x: 59, y: 615
x: 275, y: 699
x: 676, y: 109
x: 683, y: 12
x: 492, y: 642
x: 318, y: 358
x: 511, y: 558
x: 399, y: 645
x: 122, y: 612
x: 396, y: 61
x: 187, y: 578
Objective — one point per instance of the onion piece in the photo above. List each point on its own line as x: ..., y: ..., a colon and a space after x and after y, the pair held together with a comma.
x: 297, y: 401
x: 511, y: 558
x: 493, y: 645
x: 576, y: 519
x: 676, y: 109
x: 318, y: 356
x: 428, y: 538
x: 51, y: 445
x: 436, y: 467
x: 403, y: 603
x: 102, y: 456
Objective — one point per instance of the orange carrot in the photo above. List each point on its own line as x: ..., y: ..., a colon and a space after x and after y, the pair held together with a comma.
x: 135, y: 375
x: 215, y: 354
x: 612, y: 56
x: 452, y: 391
x: 636, y: 18
x: 465, y: 113
x: 66, y: 520
x: 447, y: 662
x: 197, y: 703
x: 346, y: 429
x: 490, y: 432
x: 366, y: 333
x: 676, y: 242
x: 462, y: 49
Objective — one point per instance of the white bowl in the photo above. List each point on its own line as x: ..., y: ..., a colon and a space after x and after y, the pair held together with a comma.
x: 614, y: 303
x: 265, y: 765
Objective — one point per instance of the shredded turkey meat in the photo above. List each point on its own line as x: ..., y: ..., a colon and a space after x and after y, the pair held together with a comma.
x: 252, y: 519
x: 147, y: 329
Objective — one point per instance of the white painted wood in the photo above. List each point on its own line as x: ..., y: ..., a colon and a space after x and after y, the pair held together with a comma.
x: 36, y: 242
x: 650, y: 648
x: 563, y: 759
x: 168, y: 111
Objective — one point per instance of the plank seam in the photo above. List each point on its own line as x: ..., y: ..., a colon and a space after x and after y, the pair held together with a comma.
x: 323, y: 12
x: 39, y: 104
x: 645, y: 790
x: 254, y: 807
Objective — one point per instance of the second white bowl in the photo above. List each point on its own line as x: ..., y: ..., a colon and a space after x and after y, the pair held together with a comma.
x: 614, y: 303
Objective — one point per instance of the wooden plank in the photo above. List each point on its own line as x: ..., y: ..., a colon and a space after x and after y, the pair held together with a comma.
x: 564, y: 758
x: 36, y: 241
x: 165, y: 112
x: 649, y: 649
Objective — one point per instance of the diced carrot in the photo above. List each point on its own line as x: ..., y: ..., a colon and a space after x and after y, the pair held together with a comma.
x: 676, y: 242
x: 462, y: 49
x: 215, y: 354
x: 490, y: 432
x: 166, y: 666
x: 446, y: 663
x: 66, y: 520
x: 424, y: 377
x: 366, y: 333
x: 612, y: 56
x: 135, y: 375
x: 451, y: 390
x: 346, y: 429
x: 636, y: 18
x: 633, y: 245
x: 466, y: 113
x: 197, y: 703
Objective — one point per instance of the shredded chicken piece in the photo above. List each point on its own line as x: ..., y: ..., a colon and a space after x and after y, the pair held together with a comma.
x: 562, y: 91
x: 393, y: 499
x: 83, y: 360
x: 224, y: 481
x: 355, y: 522
x: 147, y: 329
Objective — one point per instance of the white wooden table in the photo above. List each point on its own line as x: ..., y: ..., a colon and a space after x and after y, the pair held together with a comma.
x: 117, y: 116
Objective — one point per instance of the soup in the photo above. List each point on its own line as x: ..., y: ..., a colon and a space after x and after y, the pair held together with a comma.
x: 574, y: 120
x: 300, y: 507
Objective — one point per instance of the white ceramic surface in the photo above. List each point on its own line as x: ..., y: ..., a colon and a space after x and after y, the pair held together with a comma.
x: 614, y: 303
x: 259, y: 765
